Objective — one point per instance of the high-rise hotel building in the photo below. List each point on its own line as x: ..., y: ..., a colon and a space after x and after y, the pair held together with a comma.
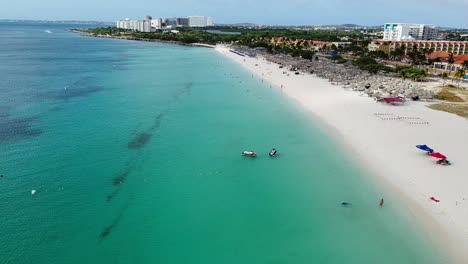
x: 151, y: 25
x: 409, y: 32
x: 200, y: 21
x: 135, y: 25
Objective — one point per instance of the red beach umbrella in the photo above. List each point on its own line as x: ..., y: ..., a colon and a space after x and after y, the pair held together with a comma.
x: 393, y: 100
x: 438, y: 155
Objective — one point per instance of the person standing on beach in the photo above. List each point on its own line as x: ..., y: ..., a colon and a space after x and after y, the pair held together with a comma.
x: 381, y: 202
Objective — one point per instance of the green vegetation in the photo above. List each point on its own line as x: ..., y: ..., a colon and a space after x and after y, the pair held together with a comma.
x: 358, y: 48
x: 460, y: 74
x: 248, y: 37
x: 458, y: 109
x: 448, y: 93
x: 184, y: 36
x: 323, y: 35
x: 451, y: 60
x: 370, y: 65
x: 418, y: 57
x: 398, y: 53
x: 411, y: 73
x: 106, y: 31
x: 465, y: 65
x: 457, y: 100
x: 453, y: 88
x: 444, y: 77
x: 187, y: 37
x: 380, y: 54
x: 307, y: 54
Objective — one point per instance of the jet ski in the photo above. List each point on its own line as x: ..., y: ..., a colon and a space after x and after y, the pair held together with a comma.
x: 273, y: 152
x: 249, y: 153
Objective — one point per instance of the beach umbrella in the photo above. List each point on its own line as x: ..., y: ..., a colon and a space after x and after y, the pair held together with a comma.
x: 438, y: 155
x: 393, y: 100
x: 425, y: 148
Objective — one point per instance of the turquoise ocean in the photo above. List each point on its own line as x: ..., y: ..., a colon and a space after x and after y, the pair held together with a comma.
x: 134, y: 148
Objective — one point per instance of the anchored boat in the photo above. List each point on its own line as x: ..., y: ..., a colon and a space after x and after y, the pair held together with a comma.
x: 273, y: 152
x: 249, y: 153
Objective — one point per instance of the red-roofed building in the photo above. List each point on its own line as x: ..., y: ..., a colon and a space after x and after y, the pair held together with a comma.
x: 444, y: 65
x: 460, y: 59
x: 439, y: 54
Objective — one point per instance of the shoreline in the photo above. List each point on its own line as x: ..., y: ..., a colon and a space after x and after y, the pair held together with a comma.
x: 85, y: 34
x: 385, y: 149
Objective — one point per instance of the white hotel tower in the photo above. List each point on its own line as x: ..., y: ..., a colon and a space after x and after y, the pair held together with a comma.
x: 409, y: 32
x: 200, y: 21
x: 136, y: 25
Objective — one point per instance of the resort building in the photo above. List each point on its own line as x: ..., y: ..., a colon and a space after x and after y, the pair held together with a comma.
x: 197, y: 21
x: 170, y: 22
x: 455, y: 47
x: 409, y: 32
x: 144, y: 26
x: 443, y: 58
x: 209, y: 22
x: 150, y: 25
x: 156, y: 24
x: 200, y: 21
x: 135, y: 25
x: 182, y: 22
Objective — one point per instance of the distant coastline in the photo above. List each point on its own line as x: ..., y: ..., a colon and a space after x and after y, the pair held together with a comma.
x: 78, y: 22
x: 87, y: 34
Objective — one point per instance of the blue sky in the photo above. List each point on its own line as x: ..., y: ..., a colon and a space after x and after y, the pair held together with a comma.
x: 285, y: 12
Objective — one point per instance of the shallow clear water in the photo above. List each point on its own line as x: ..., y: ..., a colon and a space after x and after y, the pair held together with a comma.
x: 134, y: 150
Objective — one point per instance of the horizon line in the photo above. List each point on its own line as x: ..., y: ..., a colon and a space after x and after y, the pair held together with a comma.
x: 236, y: 23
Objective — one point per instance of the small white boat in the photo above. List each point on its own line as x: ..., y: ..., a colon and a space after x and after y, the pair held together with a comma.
x: 273, y: 152
x: 249, y: 153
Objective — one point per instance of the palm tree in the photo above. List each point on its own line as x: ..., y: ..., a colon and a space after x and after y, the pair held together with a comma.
x: 451, y: 60
x: 460, y: 74
x: 426, y: 53
x: 444, y: 77
x: 463, y: 69
x: 465, y: 65
x: 399, y: 52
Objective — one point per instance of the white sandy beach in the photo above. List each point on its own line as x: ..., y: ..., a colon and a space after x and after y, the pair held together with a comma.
x: 384, y: 138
